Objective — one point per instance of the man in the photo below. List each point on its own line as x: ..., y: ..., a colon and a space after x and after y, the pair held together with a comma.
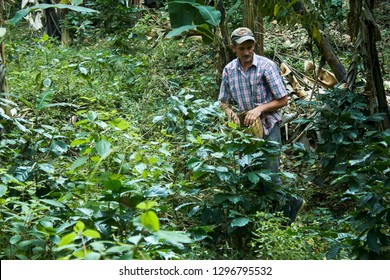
x: 255, y: 85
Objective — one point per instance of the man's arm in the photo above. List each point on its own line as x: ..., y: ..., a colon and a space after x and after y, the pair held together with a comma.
x: 232, y: 116
x: 274, y: 105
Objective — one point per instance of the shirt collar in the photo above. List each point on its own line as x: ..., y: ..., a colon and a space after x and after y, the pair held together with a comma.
x: 255, y: 62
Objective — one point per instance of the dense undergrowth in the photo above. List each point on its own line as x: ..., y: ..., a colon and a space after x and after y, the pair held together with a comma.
x: 118, y: 150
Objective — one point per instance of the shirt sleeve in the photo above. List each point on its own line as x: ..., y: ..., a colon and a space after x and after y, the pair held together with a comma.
x: 224, y: 91
x: 275, y: 81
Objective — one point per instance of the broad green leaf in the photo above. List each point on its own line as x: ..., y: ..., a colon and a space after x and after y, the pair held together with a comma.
x: 14, y: 239
x: 150, y: 220
x: 240, y: 222
x: 59, y: 147
x: 22, y: 13
x: 179, y: 30
x: 181, y: 12
x: 67, y: 239
x: 103, y: 148
x: 91, y: 233
x: 253, y: 178
x: 174, y: 237
x: 209, y: 14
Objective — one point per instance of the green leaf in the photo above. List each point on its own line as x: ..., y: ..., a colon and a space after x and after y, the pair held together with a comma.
x: 22, y: 13
x: 67, y: 239
x: 181, y: 12
x: 276, y: 9
x: 209, y: 14
x: 3, y: 190
x: 48, y: 168
x: 253, y: 178
x: 91, y: 233
x: 176, y: 238
x: 79, y: 162
x: 79, y: 227
x: 372, y: 241
x: 14, y: 239
x: 77, y: 2
x: 91, y: 116
x: 179, y: 30
x: 113, y: 185
x: 120, y: 123
x: 44, y: 99
x: 93, y: 256
x: 59, y: 147
x: 103, y: 148
x: 53, y: 202
x: 240, y: 222
x: 146, y: 205
x: 150, y: 220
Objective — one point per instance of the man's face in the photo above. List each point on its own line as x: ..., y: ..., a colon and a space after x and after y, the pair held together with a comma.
x: 244, y: 51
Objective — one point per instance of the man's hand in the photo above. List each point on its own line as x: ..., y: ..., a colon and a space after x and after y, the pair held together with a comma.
x: 232, y: 116
x: 252, y: 115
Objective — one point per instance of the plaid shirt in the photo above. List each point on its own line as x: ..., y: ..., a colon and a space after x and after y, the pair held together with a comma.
x: 261, y: 84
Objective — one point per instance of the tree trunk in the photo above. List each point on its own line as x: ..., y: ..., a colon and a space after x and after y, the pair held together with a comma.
x: 365, y: 33
x: 254, y: 21
x: 3, y: 80
x: 323, y: 45
x: 224, y: 53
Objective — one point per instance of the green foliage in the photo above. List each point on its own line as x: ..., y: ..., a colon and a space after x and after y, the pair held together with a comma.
x: 119, y: 151
x: 271, y: 241
x: 22, y: 13
x: 188, y: 15
x: 354, y: 158
x: 366, y: 174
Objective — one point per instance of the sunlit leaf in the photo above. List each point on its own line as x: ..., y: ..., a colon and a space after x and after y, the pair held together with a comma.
x: 91, y: 233
x: 150, y: 220
x: 79, y: 226
x: 67, y: 239
x: 146, y: 205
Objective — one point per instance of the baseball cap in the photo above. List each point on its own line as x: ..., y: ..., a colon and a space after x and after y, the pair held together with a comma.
x: 242, y: 34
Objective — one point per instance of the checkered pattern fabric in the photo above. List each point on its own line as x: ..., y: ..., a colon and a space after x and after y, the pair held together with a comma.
x: 261, y: 84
